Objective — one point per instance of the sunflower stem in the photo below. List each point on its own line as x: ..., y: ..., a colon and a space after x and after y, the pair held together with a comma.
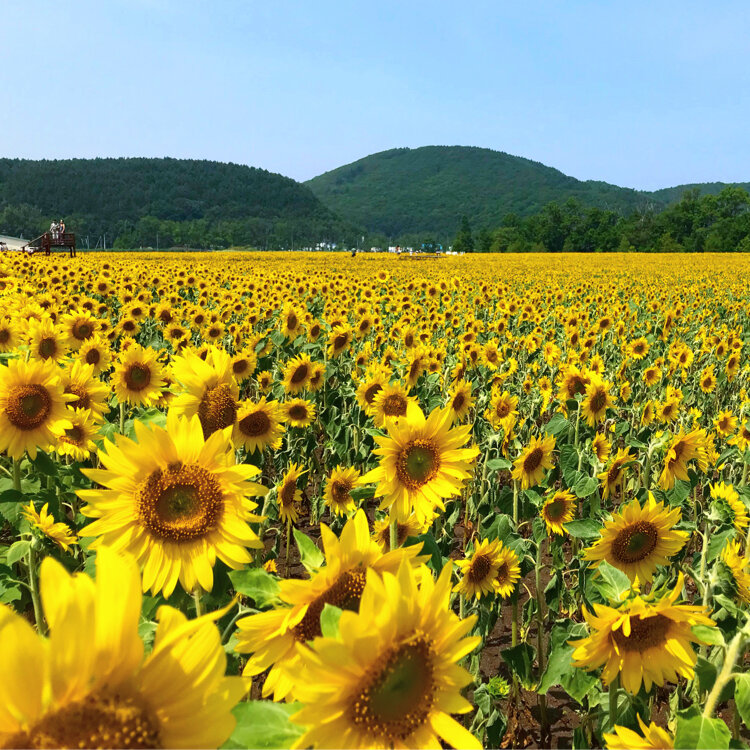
x: 515, y: 504
x: 612, y: 692
x: 393, y: 536
x: 544, y: 723
x: 725, y: 675
x: 122, y: 417
x: 744, y: 474
x: 288, y: 539
x: 17, y: 475
x: 197, y: 600
x: 34, y: 589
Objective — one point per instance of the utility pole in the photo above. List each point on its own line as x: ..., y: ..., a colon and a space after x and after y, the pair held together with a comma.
x: 105, y: 240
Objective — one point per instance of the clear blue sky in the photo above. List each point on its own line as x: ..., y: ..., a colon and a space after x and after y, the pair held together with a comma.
x: 644, y: 94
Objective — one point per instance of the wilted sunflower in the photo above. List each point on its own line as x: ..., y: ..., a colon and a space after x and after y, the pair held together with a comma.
x: 297, y: 374
x: 739, y: 566
x: 654, y: 738
x: 88, y: 684
x: 338, y: 490
x: 528, y: 468
x: 259, y: 425
x: 558, y: 509
x: 97, y: 353
x: 33, y: 410
x: 176, y: 501
x: 138, y: 377
x: 644, y: 641
x: 298, y: 412
x: 726, y: 494
x: 613, y: 477
x: 422, y: 463
x: 597, y: 400
x: 272, y: 637
x: 288, y: 496
x: 77, y: 441
x: 683, y: 448
x: 211, y: 391
x: 391, y: 403
x: 42, y: 521
x: 402, y: 680
x: 637, y: 539
x: 478, y: 573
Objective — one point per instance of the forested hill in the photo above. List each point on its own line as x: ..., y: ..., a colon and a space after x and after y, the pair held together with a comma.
x: 184, y: 202
x: 674, y: 194
x: 428, y: 189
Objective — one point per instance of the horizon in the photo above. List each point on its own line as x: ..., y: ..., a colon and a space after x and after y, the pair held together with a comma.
x: 300, y: 90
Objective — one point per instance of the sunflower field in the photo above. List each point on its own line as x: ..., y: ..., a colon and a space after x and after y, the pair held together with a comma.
x: 314, y: 501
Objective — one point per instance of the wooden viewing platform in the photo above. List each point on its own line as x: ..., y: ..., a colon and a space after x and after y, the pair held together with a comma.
x: 48, y: 242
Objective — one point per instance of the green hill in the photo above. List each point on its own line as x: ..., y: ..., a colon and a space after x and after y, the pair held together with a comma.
x: 175, y: 201
x: 673, y: 194
x: 428, y: 189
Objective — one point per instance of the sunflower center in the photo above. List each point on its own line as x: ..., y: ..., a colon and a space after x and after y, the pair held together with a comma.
x: 93, y: 356
x: 645, y: 633
x: 344, y: 593
x: 340, y: 341
x: 287, y: 492
x: 340, y: 490
x: 217, y: 409
x: 598, y: 401
x: 292, y: 322
x: 479, y: 568
x: 556, y: 510
x: 394, y: 405
x: 300, y: 374
x: 503, y: 573
x: 458, y: 401
x: 4, y: 335
x: 82, y: 331
x: 576, y: 385
x: 371, y: 391
x: 533, y: 460
x: 28, y: 406
x: 137, y: 376
x: 108, y: 720
x: 74, y: 435
x: 181, y: 503
x: 397, y: 693
x: 417, y: 464
x: 298, y: 412
x: 83, y: 401
x: 47, y: 347
x: 255, y: 424
x: 502, y: 409
x: 240, y: 366
x: 635, y: 542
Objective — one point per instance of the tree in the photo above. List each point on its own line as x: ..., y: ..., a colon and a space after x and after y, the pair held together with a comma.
x: 464, y: 242
x: 484, y: 240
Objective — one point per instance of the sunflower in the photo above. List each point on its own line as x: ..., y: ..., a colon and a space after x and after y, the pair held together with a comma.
x: 647, y: 416
x: 422, y: 463
x: 259, y: 425
x: 291, y: 321
x: 479, y: 571
x: 739, y: 566
x: 742, y: 438
x: 601, y: 447
x: 668, y: 411
x: 597, y: 400
x: 637, y: 539
x: 726, y: 494
x: 402, y: 680
x: 638, y: 349
x: 573, y: 383
x: 46, y: 340
x: 272, y: 637
x: 372, y: 382
x: 338, y: 341
x: 338, y: 491
x: 88, y: 684
x: 683, y: 448
x: 502, y: 411
x: 264, y: 380
x: 43, y: 522
x: 651, y: 376
x: 137, y: 377
x: 707, y: 380
x: 90, y: 393
x: 534, y: 459
x: 298, y: 412
x: 78, y: 328
x: 211, y: 391
x: 645, y: 641
x: 508, y: 572
x: 725, y: 424
x: 409, y: 528
x: 77, y: 441
x: 244, y: 364
x: 558, y: 509
x: 390, y: 404
x: 10, y: 335
x: 175, y: 501
x: 654, y: 738
x: 33, y: 409
x: 297, y: 374
x: 288, y: 496
x: 460, y: 400
x: 96, y: 352
x: 613, y: 477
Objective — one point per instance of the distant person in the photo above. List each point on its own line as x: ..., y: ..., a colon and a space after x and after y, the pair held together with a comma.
x: 62, y: 227
x: 53, y: 230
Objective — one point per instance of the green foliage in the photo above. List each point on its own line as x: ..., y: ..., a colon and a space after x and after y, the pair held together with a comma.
x: 264, y: 724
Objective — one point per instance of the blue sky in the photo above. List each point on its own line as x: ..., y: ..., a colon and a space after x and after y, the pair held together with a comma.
x: 642, y: 94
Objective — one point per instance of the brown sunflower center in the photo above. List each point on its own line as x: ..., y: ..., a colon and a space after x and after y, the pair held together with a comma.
x: 108, y: 720
x: 371, y: 391
x: 479, y: 568
x: 533, y: 460
x: 300, y: 374
x: 83, y: 330
x: 74, y: 435
x: 93, y: 356
x: 137, y: 376
x: 598, y: 401
x: 502, y: 409
x: 417, y: 464
x: 340, y: 341
x: 298, y: 412
x: 458, y: 401
x: 83, y: 401
x: 28, y: 406
x: 288, y: 491
x: 503, y: 573
x: 394, y: 405
x: 47, y: 347
x: 292, y: 322
x: 635, y: 542
x: 340, y: 490
x: 240, y: 366
x: 255, y: 424
x: 397, y: 693
x: 645, y: 633
x: 555, y: 511
x: 344, y: 593
x: 217, y: 409
x: 576, y: 385
x: 181, y: 503
x: 4, y: 335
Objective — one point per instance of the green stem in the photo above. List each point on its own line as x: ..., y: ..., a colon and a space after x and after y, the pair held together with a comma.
x: 725, y: 675
x: 288, y: 539
x: 540, y: 637
x: 612, y: 692
x: 393, y: 536
x: 514, y: 624
x: 744, y: 474
x: 461, y: 606
x: 122, y: 417
x: 41, y: 626
x: 515, y: 504
x: 17, y: 475
x: 197, y: 600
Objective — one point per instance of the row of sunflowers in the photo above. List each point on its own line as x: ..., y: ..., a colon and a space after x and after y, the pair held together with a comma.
x: 276, y: 500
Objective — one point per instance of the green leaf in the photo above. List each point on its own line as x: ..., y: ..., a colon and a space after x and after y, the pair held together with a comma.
x: 742, y: 696
x: 520, y: 659
x: 610, y: 582
x: 264, y: 724
x: 585, y: 486
x: 256, y: 584
x: 695, y: 731
x: 498, y: 464
x: 711, y: 636
x: 569, y: 464
x: 44, y: 464
x: 310, y: 556
x: 17, y: 551
x: 557, y: 426
x: 585, y: 528
x: 560, y: 656
x: 329, y: 621
x: 716, y: 544
x: 429, y: 547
